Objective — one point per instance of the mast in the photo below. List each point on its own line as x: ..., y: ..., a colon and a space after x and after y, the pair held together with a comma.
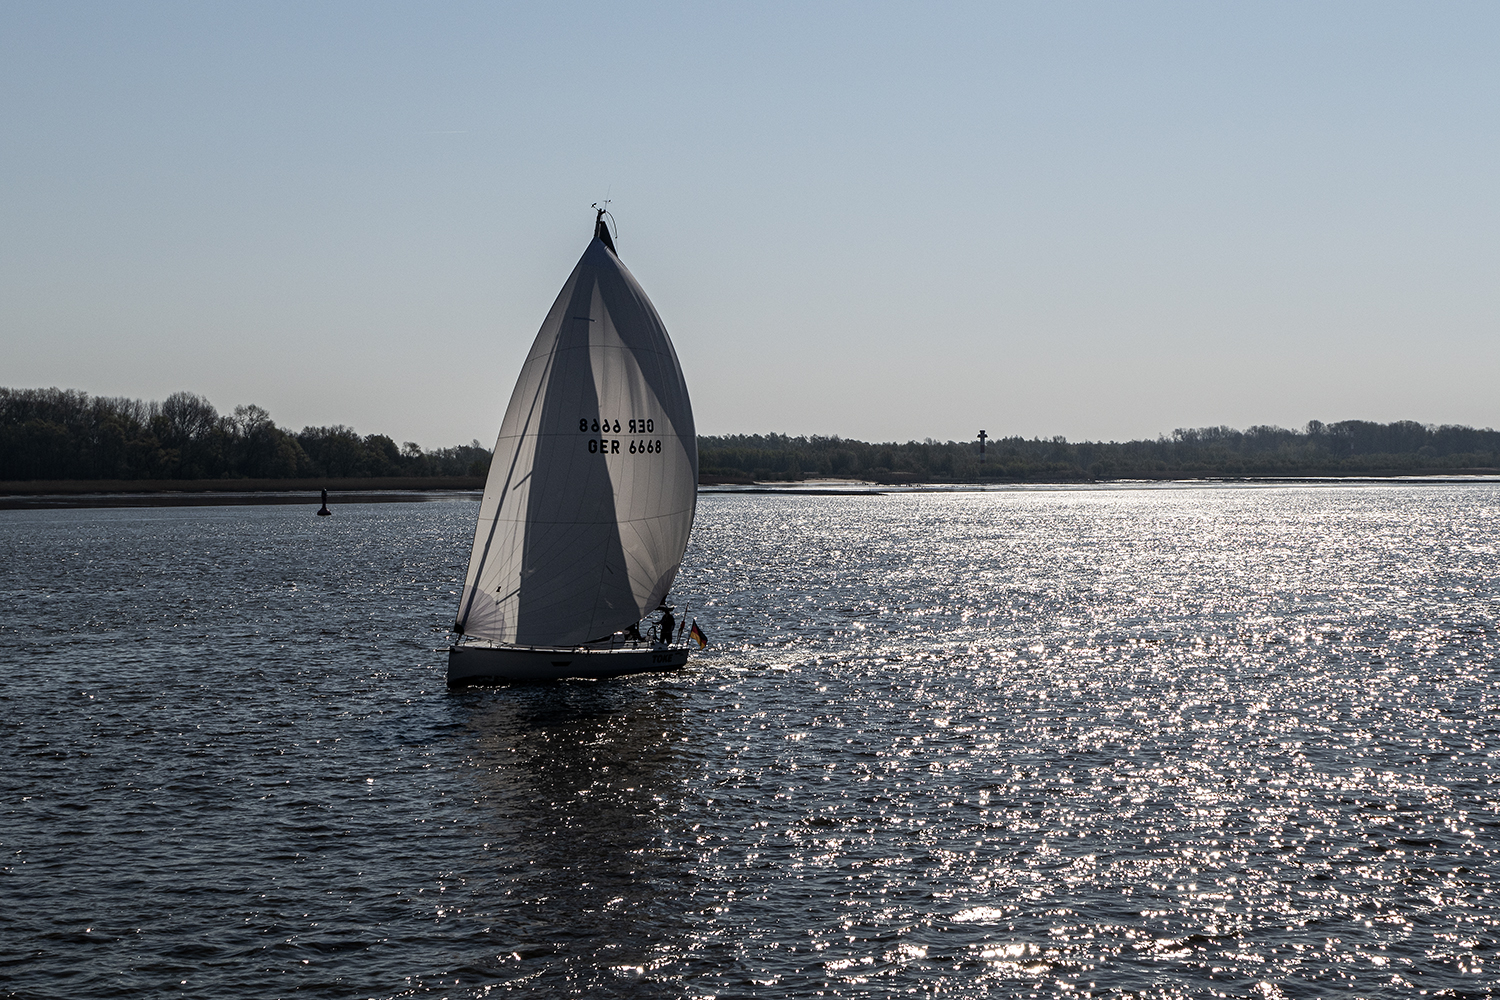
x: 601, y: 231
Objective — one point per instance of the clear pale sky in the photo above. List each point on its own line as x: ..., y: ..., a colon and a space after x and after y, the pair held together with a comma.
x: 883, y: 221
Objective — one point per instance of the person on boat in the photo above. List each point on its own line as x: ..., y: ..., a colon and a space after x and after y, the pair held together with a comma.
x: 633, y: 633
x: 667, y: 622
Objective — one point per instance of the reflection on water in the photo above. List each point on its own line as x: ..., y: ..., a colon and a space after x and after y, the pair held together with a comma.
x: 1147, y: 743
x: 573, y: 785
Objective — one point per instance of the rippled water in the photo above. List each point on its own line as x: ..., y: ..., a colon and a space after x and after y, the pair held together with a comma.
x: 1143, y: 742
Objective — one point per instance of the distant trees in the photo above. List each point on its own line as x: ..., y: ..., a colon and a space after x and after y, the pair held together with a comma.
x: 1347, y: 448
x: 64, y: 434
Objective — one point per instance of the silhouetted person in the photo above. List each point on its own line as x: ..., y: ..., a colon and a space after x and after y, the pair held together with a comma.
x: 667, y: 622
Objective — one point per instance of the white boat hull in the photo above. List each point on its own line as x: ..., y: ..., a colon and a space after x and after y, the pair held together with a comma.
x: 482, y: 663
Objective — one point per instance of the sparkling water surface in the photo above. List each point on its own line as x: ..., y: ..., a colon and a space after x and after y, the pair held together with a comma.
x: 1147, y: 742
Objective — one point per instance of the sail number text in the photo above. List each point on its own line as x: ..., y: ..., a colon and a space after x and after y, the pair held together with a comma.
x: 611, y: 446
x: 646, y: 426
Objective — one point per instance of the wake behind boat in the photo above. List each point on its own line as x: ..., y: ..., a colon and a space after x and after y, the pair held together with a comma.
x: 590, y: 497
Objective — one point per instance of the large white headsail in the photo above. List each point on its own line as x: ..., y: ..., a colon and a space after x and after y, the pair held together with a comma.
x: 594, y: 479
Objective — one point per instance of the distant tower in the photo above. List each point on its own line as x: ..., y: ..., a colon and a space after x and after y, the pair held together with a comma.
x: 982, y: 437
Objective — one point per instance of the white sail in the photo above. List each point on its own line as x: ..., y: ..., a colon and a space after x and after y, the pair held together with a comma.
x: 594, y: 479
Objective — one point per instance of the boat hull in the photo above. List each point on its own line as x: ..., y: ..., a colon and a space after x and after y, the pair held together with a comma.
x: 476, y: 664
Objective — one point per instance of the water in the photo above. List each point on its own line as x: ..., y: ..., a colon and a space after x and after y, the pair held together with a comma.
x: 1116, y: 742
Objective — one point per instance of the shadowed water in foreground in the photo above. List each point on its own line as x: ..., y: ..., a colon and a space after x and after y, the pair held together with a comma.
x: 1108, y: 742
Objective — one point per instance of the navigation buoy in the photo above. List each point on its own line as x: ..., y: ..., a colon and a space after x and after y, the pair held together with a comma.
x: 323, y: 511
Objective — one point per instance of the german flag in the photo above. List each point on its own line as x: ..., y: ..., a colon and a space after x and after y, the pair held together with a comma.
x: 696, y: 634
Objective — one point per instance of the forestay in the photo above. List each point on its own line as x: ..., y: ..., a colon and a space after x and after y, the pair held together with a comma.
x: 593, y: 483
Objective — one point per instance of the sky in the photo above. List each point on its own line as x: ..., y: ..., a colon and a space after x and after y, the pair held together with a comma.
x: 882, y: 221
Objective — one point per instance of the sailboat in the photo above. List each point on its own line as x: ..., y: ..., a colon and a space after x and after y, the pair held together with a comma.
x: 590, y: 496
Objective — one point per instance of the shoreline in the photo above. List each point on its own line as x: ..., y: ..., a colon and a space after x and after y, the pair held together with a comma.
x: 54, y: 495
x: 848, y: 487
x: 228, y: 499
x: 64, y: 487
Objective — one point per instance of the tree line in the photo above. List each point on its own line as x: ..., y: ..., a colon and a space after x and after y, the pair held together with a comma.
x: 1346, y: 448
x: 65, y: 434
x: 58, y: 434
